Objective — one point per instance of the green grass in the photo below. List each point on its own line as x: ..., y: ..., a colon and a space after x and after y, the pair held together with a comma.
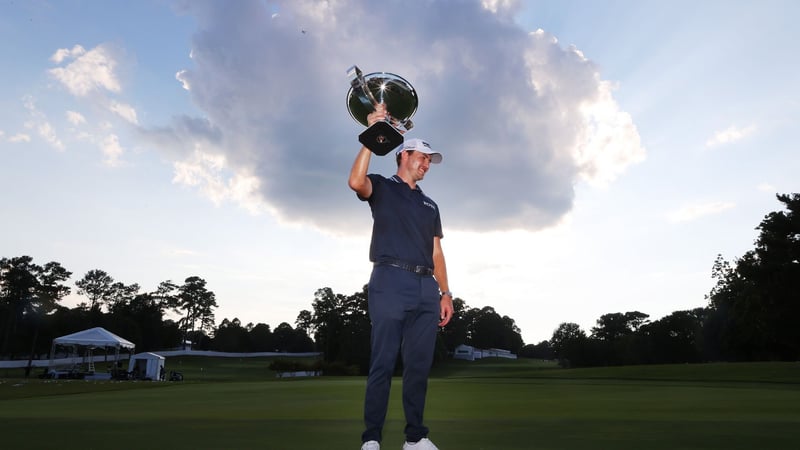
x: 490, y: 404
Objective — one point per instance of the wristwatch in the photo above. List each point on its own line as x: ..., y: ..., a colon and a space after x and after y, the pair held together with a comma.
x: 443, y: 293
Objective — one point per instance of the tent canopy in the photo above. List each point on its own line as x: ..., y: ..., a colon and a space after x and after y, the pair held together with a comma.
x: 94, y: 337
x: 147, y: 355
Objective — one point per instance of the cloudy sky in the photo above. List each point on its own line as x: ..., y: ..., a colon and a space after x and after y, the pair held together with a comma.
x: 597, y: 155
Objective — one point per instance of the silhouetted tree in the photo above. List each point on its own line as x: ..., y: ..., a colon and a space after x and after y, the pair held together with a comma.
x: 260, y: 338
x: 481, y: 328
x: 615, y: 340
x: 341, y: 326
x: 28, y: 292
x: 569, y: 344
x: 755, y: 301
x: 305, y: 321
x: 166, y: 295
x: 199, y: 339
x: 291, y: 340
x: 614, y: 326
x: 542, y: 350
x: 230, y: 336
x: 198, y: 303
x: 489, y: 330
x: 97, y: 286
x: 676, y: 338
x: 121, y: 295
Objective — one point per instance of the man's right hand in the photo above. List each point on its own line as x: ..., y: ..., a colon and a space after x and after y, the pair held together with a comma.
x: 378, y: 115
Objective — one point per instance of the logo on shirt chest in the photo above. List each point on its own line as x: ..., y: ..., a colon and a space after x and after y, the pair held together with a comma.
x: 429, y: 205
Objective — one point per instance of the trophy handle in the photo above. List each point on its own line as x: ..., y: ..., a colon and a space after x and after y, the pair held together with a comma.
x: 357, y: 82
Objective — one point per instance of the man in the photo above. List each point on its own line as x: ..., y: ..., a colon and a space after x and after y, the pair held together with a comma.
x: 408, y: 291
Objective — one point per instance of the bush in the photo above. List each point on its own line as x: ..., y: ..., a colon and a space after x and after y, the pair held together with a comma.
x: 293, y: 365
x: 340, y: 368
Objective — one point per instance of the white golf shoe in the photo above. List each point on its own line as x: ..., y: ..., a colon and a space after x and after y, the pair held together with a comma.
x: 371, y: 445
x: 423, y: 444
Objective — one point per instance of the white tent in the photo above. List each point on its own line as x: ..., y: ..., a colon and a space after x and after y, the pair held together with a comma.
x: 146, y: 366
x: 91, y: 339
x: 94, y: 337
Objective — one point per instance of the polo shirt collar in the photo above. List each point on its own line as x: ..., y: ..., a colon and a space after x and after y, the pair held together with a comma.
x: 399, y: 180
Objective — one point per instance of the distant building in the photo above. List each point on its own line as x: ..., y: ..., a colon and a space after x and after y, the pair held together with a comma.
x: 470, y: 353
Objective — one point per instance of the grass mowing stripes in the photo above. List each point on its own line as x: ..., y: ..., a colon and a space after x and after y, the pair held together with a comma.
x: 232, y: 404
x: 613, y: 415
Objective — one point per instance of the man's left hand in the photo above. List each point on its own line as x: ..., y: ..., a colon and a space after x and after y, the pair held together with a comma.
x: 445, y: 309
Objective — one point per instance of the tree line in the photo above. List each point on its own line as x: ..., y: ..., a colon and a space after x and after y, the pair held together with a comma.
x: 751, y: 313
x: 31, y: 315
x: 749, y: 316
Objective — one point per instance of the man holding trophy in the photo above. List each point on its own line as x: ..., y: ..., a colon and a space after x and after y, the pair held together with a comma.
x: 408, y: 290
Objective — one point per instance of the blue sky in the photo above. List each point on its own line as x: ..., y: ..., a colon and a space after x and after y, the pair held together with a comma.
x: 597, y: 155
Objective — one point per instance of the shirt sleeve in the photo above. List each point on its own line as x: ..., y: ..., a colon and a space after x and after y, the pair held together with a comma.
x: 376, y: 181
x: 438, y: 225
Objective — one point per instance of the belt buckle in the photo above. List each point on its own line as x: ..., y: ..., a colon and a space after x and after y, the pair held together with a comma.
x: 420, y: 270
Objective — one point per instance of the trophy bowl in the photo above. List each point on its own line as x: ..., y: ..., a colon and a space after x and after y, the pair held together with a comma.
x: 392, y: 90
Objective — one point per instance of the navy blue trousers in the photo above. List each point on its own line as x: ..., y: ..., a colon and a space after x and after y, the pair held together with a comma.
x: 404, y: 311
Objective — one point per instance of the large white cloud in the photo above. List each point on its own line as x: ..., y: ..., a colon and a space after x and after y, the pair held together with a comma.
x: 519, y: 118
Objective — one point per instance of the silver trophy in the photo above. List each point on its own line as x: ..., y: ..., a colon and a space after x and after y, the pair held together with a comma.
x: 400, y: 98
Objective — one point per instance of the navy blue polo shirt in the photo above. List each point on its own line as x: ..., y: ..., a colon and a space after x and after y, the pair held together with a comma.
x: 405, y: 222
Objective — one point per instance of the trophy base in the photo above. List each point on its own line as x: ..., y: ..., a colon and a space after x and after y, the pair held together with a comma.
x: 381, y: 138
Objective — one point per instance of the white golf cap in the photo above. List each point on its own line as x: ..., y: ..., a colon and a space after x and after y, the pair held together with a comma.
x: 420, y: 146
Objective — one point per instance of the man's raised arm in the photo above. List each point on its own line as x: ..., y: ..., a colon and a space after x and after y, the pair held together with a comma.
x: 358, y: 181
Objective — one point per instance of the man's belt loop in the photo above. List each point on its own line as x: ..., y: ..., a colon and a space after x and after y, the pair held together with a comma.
x: 419, y: 270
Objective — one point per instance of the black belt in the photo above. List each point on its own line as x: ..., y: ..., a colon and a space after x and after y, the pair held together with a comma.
x: 419, y: 270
